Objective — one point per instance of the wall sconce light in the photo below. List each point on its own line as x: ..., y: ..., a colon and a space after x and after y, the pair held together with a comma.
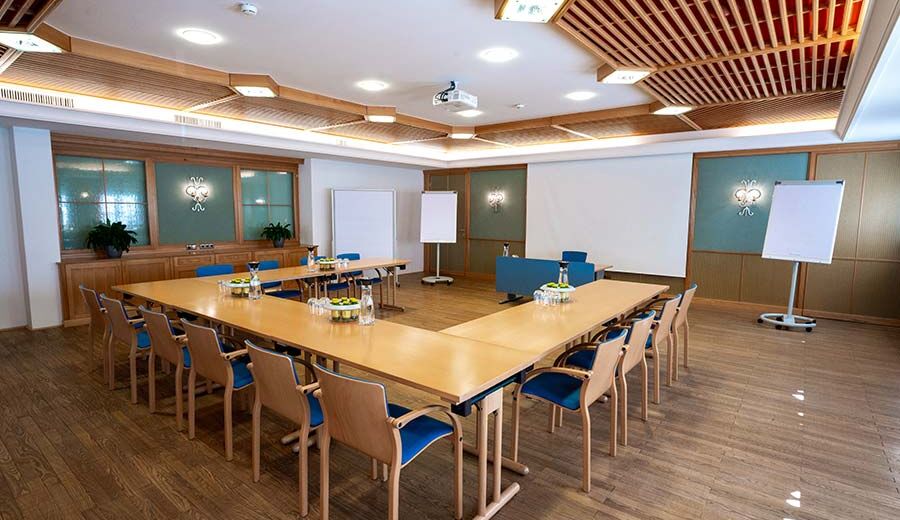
x: 495, y: 199
x: 198, y: 192
x: 747, y: 195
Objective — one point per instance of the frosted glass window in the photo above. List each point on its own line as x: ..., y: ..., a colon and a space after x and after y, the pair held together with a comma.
x: 267, y: 197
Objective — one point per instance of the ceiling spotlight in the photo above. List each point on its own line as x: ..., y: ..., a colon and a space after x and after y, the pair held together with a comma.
x: 498, y: 54
x: 470, y: 113
x: 610, y: 75
x: 540, y: 11
x: 661, y: 109
x: 372, y: 85
x: 381, y: 114
x: 248, y: 9
x: 580, y: 95
x: 462, y: 132
x: 519, y: 106
x: 199, y: 36
x: 253, y: 85
x: 27, y: 42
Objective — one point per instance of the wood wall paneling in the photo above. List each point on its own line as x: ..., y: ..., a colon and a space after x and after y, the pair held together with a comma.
x: 718, y: 275
x: 829, y: 287
x: 765, y: 281
x: 879, y: 230
x: 851, y: 168
x: 876, y: 289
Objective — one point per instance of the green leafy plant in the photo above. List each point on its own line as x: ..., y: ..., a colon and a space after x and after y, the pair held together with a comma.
x: 111, y: 236
x: 277, y: 233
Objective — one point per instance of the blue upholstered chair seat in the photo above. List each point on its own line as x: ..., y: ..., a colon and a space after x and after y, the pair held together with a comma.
x: 560, y: 389
x: 214, y: 270
x: 143, y: 339
x: 374, y: 280
x: 270, y: 285
x: 187, y: 357
x: 242, y: 375
x: 339, y: 286
x: 419, y: 433
x: 285, y: 293
x: 315, y: 411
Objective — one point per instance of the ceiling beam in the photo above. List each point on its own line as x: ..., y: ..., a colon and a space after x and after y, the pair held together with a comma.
x: 425, y: 124
x: 565, y: 119
x: 42, y: 14
x: 20, y: 12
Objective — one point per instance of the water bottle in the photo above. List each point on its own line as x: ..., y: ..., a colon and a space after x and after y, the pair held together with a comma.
x: 505, y: 248
x: 366, y: 305
x: 310, y: 260
x: 563, y: 274
x: 255, y: 285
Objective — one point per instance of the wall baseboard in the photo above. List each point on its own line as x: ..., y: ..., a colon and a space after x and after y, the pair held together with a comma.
x: 812, y: 313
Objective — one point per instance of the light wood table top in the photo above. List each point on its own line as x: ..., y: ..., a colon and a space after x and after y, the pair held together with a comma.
x: 452, y: 368
x: 301, y: 272
x: 540, y: 329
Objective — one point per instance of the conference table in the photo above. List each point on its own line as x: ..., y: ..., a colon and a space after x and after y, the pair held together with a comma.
x: 302, y: 272
x: 467, y: 366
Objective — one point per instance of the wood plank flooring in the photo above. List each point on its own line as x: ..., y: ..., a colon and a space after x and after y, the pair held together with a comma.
x: 762, y: 422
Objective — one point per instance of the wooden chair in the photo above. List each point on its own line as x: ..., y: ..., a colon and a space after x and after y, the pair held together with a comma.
x: 662, y: 332
x: 574, y: 389
x: 98, y: 322
x: 358, y: 414
x: 278, y: 388
x: 165, y: 343
x: 130, y: 332
x: 681, y: 321
x: 210, y: 359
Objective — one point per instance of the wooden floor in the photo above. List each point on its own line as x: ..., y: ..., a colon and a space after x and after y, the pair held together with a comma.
x: 759, y: 419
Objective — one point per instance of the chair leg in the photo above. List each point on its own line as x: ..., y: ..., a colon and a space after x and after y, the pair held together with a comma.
x: 303, y: 478
x: 257, y: 413
x: 559, y: 416
x: 209, y: 386
x: 644, y: 389
x: 586, y: 450
x: 151, y: 380
x: 132, y: 362
x: 90, y: 345
x: 374, y: 469
x: 104, y: 355
x: 552, y: 426
x: 670, y: 352
x: 192, y: 398
x: 179, y: 397
x: 613, y: 413
x: 687, y: 330
x: 324, y: 449
x: 515, y: 426
x: 111, y: 362
x: 657, y: 372
x: 229, y: 441
x: 394, y: 492
x: 623, y: 408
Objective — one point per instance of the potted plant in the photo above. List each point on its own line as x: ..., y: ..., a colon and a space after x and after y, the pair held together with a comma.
x: 277, y: 233
x: 112, y: 237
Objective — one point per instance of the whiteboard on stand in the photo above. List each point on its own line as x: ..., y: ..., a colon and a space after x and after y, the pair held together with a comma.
x: 364, y: 222
x: 438, y: 217
x: 803, y: 221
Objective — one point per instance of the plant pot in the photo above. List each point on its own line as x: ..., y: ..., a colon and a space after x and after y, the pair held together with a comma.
x: 112, y: 252
x: 278, y: 243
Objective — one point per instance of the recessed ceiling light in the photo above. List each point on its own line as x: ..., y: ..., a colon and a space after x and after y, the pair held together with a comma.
x: 372, y: 85
x: 199, y: 36
x: 462, y: 132
x: 27, y: 42
x: 540, y: 11
x: 672, y: 110
x: 375, y: 118
x: 498, y: 54
x: 470, y: 113
x: 610, y: 75
x: 381, y: 114
x: 580, y: 95
x: 255, y: 91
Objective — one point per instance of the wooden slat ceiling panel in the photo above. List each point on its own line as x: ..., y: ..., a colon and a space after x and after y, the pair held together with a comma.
x: 384, y: 132
x: 635, y: 125
x: 88, y: 76
x: 24, y: 15
x: 531, y: 136
x: 822, y: 105
x: 278, y: 111
x: 719, y: 51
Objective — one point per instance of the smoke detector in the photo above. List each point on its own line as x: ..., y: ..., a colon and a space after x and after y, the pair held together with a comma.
x: 248, y: 9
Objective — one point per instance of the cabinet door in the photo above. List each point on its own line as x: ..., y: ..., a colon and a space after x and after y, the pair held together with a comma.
x: 237, y: 260
x: 147, y: 270
x: 270, y: 254
x: 100, y: 276
x: 292, y: 256
x: 186, y: 266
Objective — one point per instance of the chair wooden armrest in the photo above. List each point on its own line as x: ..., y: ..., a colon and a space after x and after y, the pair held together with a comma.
x: 308, y: 389
x: 233, y: 355
x: 574, y: 372
x: 181, y: 339
x: 134, y: 321
x: 403, y: 420
x: 317, y: 393
x: 587, y: 345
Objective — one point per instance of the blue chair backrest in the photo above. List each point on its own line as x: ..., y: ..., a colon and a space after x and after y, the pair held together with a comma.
x: 524, y: 275
x: 304, y: 260
x: 574, y: 256
x: 351, y: 256
x: 266, y: 265
x: 214, y: 270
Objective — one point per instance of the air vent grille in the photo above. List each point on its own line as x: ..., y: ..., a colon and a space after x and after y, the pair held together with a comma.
x: 22, y: 96
x: 197, y: 121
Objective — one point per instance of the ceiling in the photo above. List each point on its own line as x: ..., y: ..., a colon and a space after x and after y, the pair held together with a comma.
x: 326, y: 47
x: 738, y: 63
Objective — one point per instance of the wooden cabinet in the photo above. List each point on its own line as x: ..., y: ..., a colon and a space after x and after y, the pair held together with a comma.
x: 149, y: 266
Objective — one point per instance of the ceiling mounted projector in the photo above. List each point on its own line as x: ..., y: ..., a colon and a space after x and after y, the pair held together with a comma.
x: 455, y: 99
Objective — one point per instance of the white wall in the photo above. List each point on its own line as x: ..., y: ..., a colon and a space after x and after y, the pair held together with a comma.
x: 12, y: 283
x: 630, y: 212
x: 35, y: 192
x: 325, y: 174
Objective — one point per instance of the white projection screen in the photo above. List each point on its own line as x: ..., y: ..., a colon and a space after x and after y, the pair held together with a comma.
x: 630, y: 212
x: 364, y: 222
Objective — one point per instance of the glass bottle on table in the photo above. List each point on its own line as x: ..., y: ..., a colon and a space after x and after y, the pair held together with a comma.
x: 255, y: 285
x: 563, y: 280
x: 310, y: 260
x: 505, y: 248
x: 366, y: 305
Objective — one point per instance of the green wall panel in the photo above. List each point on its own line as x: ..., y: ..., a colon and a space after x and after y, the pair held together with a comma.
x: 178, y: 224
x: 717, y: 225
x: 509, y: 222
